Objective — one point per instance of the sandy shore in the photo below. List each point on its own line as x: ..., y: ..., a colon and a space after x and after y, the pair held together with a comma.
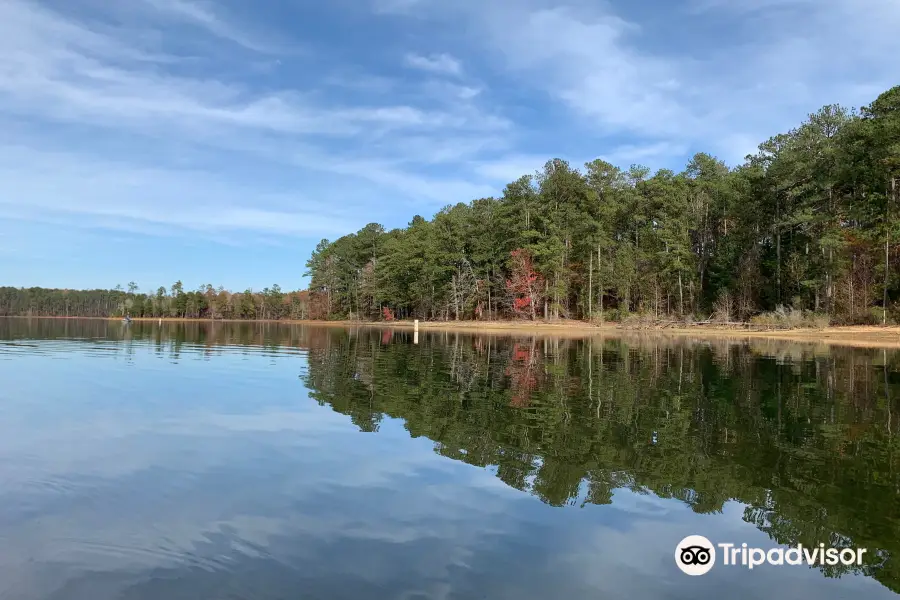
x: 860, y: 336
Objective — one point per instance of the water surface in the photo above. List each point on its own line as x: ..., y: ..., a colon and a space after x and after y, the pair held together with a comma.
x: 244, y: 461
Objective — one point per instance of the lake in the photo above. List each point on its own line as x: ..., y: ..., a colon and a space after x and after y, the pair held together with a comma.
x: 262, y: 461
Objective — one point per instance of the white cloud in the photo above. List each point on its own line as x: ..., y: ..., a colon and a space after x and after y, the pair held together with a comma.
x: 453, y: 94
x: 372, y: 84
x: 747, y: 6
x: 58, y: 68
x: 100, y: 114
x: 510, y: 168
x: 618, y: 77
x: 436, y: 63
x: 628, y: 154
x: 589, y: 65
x: 430, y: 191
x: 58, y: 71
x: 203, y: 15
x: 119, y: 194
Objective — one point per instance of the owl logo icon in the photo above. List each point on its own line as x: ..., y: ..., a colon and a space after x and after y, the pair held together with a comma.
x: 695, y: 555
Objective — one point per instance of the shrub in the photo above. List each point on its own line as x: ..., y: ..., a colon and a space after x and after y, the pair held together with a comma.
x: 616, y: 315
x: 723, y: 310
x: 791, y: 318
x: 638, y: 320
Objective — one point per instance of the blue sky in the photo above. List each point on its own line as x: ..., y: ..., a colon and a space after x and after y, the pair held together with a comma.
x: 217, y: 142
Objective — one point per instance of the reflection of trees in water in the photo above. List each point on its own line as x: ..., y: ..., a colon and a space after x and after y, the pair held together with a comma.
x: 525, y: 371
x: 172, y: 338
x: 802, y: 436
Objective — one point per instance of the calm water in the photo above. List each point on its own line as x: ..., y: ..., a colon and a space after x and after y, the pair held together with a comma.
x: 238, y: 461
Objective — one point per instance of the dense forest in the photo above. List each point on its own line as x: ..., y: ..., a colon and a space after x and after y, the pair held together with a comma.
x: 206, y: 302
x: 810, y: 224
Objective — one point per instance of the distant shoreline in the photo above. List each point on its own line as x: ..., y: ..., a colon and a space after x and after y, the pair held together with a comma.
x: 859, y: 336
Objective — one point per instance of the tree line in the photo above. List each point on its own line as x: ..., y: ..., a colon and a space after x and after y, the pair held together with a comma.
x: 809, y: 222
x: 206, y: 302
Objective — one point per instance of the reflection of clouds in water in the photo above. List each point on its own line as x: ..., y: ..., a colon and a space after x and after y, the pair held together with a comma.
x: 112, y: 445
x: 189, y: 487
x: 409, y: 537
x: 124, y: 499
x: 641, y: 504
x: 639, y: 557
x: 95, y: 417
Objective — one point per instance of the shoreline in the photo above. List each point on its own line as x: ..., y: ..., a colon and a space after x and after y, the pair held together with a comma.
x: 868, y: 336
x: 862, y: 336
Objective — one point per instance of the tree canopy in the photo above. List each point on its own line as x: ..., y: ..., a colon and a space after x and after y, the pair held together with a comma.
x: 809, y: 221
x: 206, y: 302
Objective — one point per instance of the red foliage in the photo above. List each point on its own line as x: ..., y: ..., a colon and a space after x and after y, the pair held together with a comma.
x: 525, y: 374
x: 387, y: 313
x: 524, y: 284
x: 521, y: 354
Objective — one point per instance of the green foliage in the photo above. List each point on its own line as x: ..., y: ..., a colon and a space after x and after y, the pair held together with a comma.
x: 810, y: 220
x: 205, y: 303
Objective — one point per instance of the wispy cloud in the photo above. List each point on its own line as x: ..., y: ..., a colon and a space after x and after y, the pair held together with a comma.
x: 511, y: 167
x: 616, y: 76
x: 748, y: 6
x: 76, y: 74
x: 651, y: 153
x: 435, y: 63
x: 118, y: 194
x: 204, y: 15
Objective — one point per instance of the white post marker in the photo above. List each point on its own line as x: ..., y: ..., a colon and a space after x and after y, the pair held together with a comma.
x: 416, y: 331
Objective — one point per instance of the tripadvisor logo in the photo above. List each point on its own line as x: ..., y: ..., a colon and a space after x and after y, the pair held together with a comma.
x: 696, y: 555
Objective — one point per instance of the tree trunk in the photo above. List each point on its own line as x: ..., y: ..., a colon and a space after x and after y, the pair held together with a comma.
x: 778, y: 247
x: 546, y: 293
x: 655, y: 300
x: 590, y: 293
x: 489, y: 297
x: 887, y: 256
x: 600, y: 285
x: 601, y: 305
x: 556, y: 296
